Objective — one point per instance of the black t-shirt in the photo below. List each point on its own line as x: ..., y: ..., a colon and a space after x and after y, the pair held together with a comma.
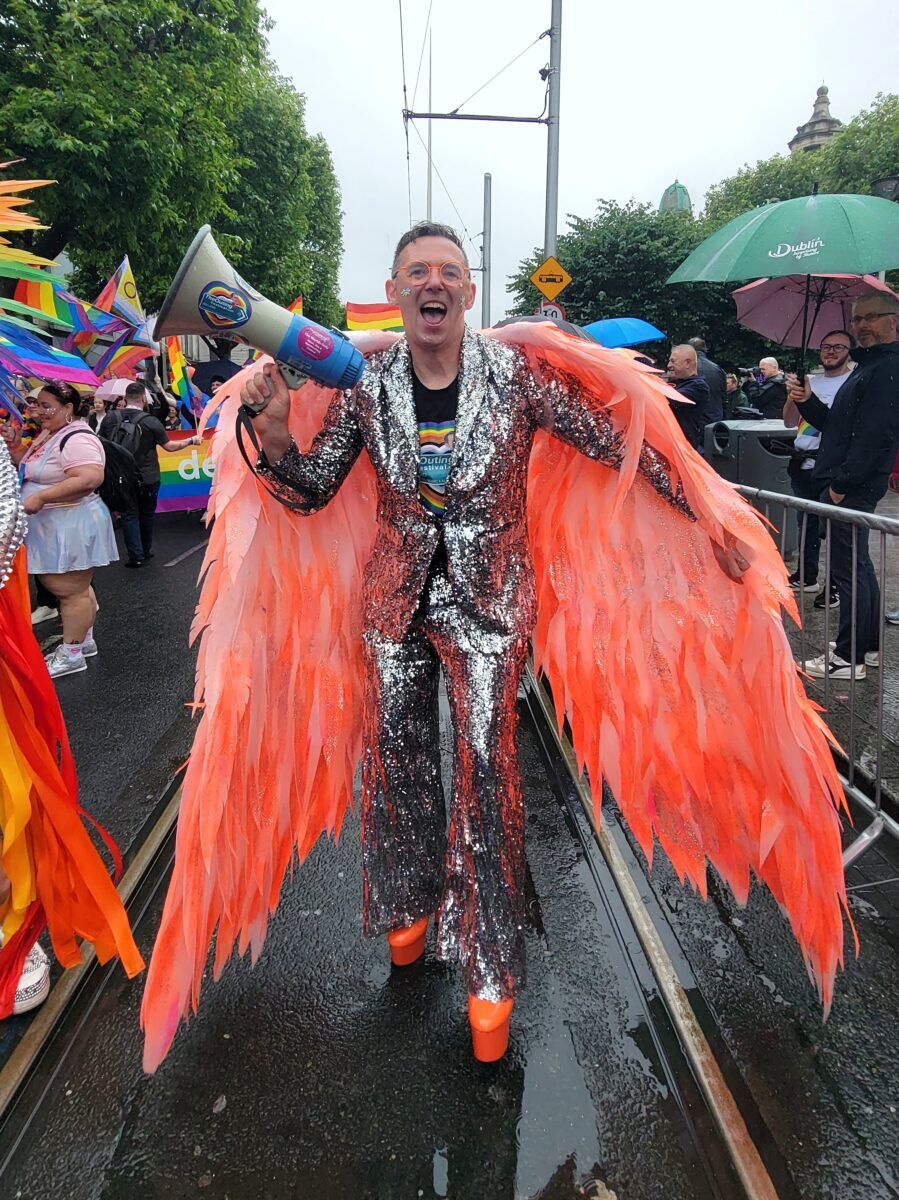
x: 435, y: 413
x: 153, y: 434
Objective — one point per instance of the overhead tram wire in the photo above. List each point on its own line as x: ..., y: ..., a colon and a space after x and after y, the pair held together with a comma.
x: 446, y: 189
x: 405, y: 109
x: 421, y: 56
x: 538, y: 38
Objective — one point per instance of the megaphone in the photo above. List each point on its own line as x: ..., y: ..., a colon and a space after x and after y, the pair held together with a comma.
x: 208, y: 297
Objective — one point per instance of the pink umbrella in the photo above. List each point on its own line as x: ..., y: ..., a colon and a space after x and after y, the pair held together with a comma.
x: 775, y: 307
x: 111, y: 389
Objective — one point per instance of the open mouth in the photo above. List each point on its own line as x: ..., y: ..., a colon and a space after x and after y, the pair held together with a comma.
x: 433, y: 313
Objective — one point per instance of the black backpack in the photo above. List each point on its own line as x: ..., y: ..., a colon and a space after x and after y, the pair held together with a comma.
x: 127, y: 433
x: 122, y: 480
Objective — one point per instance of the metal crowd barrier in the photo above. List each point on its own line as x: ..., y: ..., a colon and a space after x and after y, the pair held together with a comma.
x: 887, y: 531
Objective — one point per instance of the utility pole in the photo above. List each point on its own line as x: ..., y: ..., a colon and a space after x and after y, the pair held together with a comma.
x: 551, y: 121
x: 552, y: 132
x: 485, y: 253
x: 430, y: 108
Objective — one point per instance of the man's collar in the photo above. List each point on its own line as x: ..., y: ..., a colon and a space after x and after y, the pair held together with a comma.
x: 861, y: 353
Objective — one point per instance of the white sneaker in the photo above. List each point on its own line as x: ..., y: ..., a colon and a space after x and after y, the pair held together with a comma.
x: 834, y: 668
x: 34, y: 982
x: 872, y: 657
x: 60, y: 662
x: 88, y: 647
x: 43, y: 613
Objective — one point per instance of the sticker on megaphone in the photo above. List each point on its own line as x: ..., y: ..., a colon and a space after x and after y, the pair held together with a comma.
x: 324, y: 354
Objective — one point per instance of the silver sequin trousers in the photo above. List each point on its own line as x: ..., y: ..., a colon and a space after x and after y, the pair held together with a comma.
x: 471, y: 870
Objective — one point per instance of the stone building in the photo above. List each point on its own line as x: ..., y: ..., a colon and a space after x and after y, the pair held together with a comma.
x: 819, y: 128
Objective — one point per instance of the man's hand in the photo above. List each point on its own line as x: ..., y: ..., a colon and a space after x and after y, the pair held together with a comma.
x: 33, y: 504
x: 732, y: 561
x: 798, y: 392
x: 267, y: 395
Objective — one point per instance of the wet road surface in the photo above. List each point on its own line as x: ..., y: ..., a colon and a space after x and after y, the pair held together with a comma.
x: 323, y: 1073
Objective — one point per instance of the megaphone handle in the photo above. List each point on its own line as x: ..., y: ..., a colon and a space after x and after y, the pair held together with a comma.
x: 292, y: 377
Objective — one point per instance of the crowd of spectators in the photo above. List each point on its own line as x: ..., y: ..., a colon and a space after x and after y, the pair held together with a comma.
x: 85, y: 462
x: 845, y: 454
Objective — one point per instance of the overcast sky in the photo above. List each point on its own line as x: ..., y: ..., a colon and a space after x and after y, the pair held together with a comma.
x: 649, y: 92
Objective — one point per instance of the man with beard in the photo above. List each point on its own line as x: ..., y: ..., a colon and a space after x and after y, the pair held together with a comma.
x: 834, y: 351
x: 859, y: 441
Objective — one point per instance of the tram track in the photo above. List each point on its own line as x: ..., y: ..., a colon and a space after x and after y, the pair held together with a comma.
x: 718, y: 1116
x: 689, y: 1018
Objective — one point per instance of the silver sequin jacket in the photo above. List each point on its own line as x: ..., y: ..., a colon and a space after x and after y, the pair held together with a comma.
x: 484, y: 525
x: 12, y: 515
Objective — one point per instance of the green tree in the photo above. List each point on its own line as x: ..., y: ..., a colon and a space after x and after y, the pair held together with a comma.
x: 864, y: 150
x: 270, y: 199
x: 619, y: 261
x: 130, y: 105
x: 324, y: 241
x: 781, y: 177
x: 283, y: 234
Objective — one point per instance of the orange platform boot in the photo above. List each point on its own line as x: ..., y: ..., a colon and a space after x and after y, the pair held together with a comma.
x: 489, y: 1020
x: 408, y: 945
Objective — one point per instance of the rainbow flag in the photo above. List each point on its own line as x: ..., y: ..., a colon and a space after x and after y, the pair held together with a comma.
x: 120, y: 300
x: 373, y: 316
x: 49, y: 301
x: 120, y: 297
x: 24, y: 353
x: 181, y: 384
x: 120, y: 358
x: 185, y: 475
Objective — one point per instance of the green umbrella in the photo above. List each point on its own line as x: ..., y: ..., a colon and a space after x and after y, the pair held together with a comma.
x: 821, y: 234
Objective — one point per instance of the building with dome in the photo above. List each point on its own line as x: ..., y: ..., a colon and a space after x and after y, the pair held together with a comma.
x: 676, y: 198
x: 818, y: 129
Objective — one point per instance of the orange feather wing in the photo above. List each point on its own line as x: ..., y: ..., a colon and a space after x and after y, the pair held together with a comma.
x: 679, y: 685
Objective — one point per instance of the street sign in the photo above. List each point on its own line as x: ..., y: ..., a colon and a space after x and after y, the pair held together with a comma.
x: 549, y: 308
x: 550, y: 278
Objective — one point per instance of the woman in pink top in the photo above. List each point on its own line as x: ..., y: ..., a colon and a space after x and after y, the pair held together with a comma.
x: 69, y: 527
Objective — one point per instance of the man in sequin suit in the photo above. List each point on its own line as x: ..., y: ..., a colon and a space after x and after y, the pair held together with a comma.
x: 449, y: 584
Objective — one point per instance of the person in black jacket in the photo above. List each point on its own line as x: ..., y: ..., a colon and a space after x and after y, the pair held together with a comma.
x: 859, y: 441
x: 770, y: 395
x: 714, y: 377
x: 683, y: 374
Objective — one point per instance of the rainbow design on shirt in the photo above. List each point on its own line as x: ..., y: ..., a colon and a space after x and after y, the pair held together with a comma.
x: 435, y: 457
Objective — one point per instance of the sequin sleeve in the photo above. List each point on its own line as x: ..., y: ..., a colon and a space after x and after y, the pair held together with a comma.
x: 12, y: 515
x: 306, y: 482
x: 566, y: 409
